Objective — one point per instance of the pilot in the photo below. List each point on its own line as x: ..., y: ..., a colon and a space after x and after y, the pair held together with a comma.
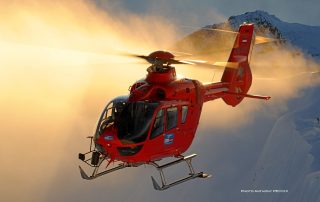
x: 118, y: 109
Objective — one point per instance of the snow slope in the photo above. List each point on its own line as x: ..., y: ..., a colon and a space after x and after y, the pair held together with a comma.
x: 290, y: 156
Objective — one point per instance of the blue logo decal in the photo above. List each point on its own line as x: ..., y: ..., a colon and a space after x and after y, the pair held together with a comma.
x: 168, y: 138
x: 108, y: 137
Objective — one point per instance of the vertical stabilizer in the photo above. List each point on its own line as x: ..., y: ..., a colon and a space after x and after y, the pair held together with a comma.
x: 238, y: 75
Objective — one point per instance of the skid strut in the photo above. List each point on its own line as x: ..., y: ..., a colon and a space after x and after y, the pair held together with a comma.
x: 192, y: 174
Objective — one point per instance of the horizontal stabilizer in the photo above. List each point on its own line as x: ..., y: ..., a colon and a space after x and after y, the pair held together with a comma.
x: 248, y: 95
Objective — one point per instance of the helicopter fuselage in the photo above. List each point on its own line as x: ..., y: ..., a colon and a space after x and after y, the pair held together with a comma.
x: 171, y: 127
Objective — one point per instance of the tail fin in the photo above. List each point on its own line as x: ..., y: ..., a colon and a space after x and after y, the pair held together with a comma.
x: 238, y: 74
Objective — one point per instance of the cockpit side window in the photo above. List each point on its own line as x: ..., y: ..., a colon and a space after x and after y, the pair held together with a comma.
x: 109, y: 111
x: 172, y: 117
x: 158, y: 125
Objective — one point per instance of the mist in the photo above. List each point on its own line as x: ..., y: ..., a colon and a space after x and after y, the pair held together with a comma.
x: 61, y: 63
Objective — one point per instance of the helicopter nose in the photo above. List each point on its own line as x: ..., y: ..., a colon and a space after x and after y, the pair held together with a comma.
x: 108, y: 140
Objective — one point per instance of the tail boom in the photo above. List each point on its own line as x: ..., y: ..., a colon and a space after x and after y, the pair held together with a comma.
x: 221, y: 90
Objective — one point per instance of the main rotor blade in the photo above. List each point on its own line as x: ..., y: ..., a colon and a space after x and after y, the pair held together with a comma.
x: 220, y: 30
x: 173, y: 61
x: 179, y: 53
x: 216, y: 65
x: 258, y: 39
x: 154, y: 60
x: 211, y: 29
x: 262, y: 40
x: 232, y: 65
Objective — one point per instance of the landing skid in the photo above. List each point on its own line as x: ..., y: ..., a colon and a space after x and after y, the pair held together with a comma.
x: 164, y: 184
x: 96, y: 173
x: 192, y: 174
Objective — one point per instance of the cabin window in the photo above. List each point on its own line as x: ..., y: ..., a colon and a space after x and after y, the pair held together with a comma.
x: 184, y: 113
x: 158, y: 126
x: 172, y: 117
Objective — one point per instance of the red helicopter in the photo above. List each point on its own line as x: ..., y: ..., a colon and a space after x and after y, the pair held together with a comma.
x: 160, y: 116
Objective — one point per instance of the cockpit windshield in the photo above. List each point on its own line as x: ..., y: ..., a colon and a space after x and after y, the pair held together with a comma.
x: 109, y: 114
x: 134, y: 121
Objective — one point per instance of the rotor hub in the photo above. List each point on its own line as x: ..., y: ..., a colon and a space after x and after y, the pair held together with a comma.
x: 167, y: 75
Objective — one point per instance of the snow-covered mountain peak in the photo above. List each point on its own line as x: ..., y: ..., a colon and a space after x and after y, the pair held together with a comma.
x: 256, y: 17
x: 304, y: 37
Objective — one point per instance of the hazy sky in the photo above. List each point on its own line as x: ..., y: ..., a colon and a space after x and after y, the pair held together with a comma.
x: 201, y: 12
